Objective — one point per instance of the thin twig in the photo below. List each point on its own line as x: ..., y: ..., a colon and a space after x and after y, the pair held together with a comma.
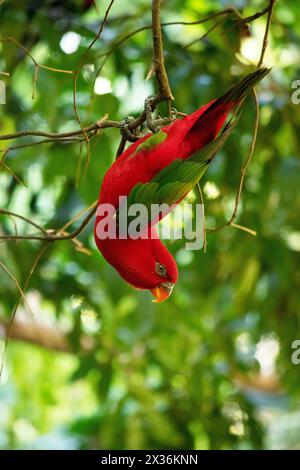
x: 14, y: 224
x: 212, y: 28
x: 35, y: 79
x: 254, y: 17
x: 10, y: 171
x: 77, y: 216
x: 248, y: 159
x: 245, y: 166
x: 18, y: 286
x: 101, y: 124
x: 36, y: 64
x: 21, y: 217
x: 57, y: 235
x: 203, y: 217
x: 66, y: 140
x: 266, y: 35
x: 244, y: 229
x: 22, y: 296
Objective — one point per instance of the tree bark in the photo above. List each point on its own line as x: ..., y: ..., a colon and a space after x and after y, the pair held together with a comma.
x: 34, y: 333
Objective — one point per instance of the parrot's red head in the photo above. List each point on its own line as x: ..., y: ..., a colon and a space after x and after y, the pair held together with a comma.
x: 144, y: 263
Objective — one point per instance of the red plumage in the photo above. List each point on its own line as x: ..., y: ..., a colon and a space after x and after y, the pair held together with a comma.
x: 137, y: 260
x: 185, y: 136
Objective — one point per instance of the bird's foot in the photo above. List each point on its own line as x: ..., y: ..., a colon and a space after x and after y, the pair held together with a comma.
x: 173, y: 113
x: 127, y: 133
x: 149, y: 108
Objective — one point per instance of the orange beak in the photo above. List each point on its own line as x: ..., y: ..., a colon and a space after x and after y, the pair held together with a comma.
x: 162, y: 292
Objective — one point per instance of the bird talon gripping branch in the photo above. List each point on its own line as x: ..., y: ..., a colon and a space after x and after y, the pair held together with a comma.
x: 149, y: 108
x: 174, y: 113
x: 126, y: 132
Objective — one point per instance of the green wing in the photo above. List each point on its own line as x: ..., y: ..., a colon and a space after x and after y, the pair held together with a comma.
x: 173, y: 182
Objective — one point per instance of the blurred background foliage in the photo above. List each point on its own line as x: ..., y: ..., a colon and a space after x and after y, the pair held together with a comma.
x: 211, y: 367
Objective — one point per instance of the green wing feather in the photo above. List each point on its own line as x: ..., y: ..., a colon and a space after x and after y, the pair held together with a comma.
x: 173, y: 182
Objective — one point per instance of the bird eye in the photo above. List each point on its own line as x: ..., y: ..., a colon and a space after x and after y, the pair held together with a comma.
x: 160, y: 269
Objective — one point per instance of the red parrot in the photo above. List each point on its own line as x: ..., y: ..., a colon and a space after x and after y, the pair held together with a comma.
x: 162, y: 168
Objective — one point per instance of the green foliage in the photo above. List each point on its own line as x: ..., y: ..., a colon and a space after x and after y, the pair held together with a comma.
x: 181, y: 374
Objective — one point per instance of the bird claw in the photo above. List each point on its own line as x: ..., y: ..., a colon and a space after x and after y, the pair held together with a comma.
x: 149, y: 107
x: 150, y: 101
x: 126, y: 132
x: 174, y: 113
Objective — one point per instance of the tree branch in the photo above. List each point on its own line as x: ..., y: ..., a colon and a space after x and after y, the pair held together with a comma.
x: 93, y: 129
x: 158, y: 65
x: 266, y: 36
x: 50, y: 338
x: 248, y: 159
x: 25, y: 219
x: 60, y: 234
x: 10, y: 324
x: 101, y: 124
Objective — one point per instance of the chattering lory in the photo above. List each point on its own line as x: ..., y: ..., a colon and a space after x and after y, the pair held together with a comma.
x: 162, y: 168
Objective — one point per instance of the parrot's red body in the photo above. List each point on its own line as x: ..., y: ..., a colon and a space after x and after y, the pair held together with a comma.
x: 146, y: 263
x: 185, y: 136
